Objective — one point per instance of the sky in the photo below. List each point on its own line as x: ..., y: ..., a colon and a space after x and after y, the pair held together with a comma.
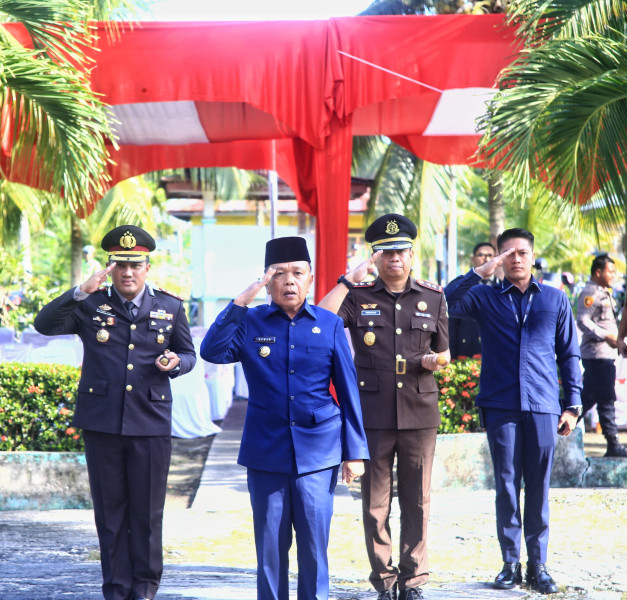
x: 253, y: 10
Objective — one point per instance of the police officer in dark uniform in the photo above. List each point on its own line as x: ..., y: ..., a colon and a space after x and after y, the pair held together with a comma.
x: 596, y: 319
x: 135, y: 338
x: 399, y: 331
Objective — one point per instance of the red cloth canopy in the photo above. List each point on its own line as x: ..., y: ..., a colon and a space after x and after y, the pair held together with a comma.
x: 289, y: 96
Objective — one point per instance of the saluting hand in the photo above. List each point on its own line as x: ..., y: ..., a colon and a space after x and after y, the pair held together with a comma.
x: 96, y: 280
x: 360, y: 272
x: 250, y: 293
x: 487, y: 269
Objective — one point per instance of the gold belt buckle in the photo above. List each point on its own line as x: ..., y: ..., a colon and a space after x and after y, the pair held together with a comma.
x: 401, y: 366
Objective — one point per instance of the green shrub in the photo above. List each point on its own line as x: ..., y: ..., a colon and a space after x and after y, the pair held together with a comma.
x: 36, y: 407
x: 459, y: 384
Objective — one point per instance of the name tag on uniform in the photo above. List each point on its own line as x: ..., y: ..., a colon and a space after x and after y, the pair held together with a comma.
x: 427, y: 315
x: 265, y: 340
x: 371, y: 313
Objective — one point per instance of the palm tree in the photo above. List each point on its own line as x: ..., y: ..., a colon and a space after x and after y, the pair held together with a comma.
x: 560, y: 116
x: 53, y: 127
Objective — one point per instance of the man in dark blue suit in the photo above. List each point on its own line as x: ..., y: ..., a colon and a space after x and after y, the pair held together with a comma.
x: 527, y: 331
x: 135, y: 338
x: 295, y: 435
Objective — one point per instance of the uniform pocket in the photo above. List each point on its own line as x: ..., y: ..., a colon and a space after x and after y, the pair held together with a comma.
x: 325, y: 412
x: 160, y: 395
x: 422, y: 329
x: 95, y: 387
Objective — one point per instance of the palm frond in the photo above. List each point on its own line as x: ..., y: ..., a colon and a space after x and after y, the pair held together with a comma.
x: 540, y: 20
x: 52, y: 124
x: 560, y: 117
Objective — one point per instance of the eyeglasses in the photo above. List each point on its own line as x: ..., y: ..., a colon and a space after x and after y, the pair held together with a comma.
x: 481, y: 255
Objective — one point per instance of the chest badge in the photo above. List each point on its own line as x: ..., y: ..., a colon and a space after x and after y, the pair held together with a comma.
x: 369, y: 306
x: 104, y: 307
x: 264, y: 351
x: 316, y: 330
x: 102, y: 335
x: 160, y: 338
x: 422, y: 306
x: 369, y: 338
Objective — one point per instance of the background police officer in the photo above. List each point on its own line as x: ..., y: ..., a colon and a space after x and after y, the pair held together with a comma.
x: 464, y: 338
x: 134, y: 338
x: 596, y: 318
x: 399, y: 330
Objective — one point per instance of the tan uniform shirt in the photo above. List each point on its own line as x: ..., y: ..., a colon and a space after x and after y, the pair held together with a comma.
x: 390, y: 335
x: 596, y: 319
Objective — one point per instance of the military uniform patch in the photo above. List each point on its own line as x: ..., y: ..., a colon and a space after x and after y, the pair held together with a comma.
x: 588, y: 301
x: 170, y: 294
x: 431, y: 286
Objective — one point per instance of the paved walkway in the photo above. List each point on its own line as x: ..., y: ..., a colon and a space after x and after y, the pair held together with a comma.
x: 52, y: 555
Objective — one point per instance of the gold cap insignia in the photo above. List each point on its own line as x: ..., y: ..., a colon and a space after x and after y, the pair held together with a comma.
x: 392, y: 227
x: 128, y: 240
x: 102, y: 335
x: 264, y: 351
x: 422, y: 306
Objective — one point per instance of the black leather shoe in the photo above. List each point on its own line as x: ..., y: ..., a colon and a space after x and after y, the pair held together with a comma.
x: 538, y: 579
x: 614, y: 447
x: 510, y: 575
x: 388, y: 594
x: 414, y: 593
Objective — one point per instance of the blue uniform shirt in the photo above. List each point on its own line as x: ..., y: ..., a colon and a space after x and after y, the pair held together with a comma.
x: 292, y: 422
x: 522, y: 338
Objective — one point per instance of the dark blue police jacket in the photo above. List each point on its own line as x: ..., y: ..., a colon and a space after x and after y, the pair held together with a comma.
x: 121, y: 390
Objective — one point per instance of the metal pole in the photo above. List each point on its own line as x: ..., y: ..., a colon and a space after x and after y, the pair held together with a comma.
x: 273, y: 192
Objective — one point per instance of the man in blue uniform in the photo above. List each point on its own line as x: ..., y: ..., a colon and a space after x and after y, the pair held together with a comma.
x: 295, y: 435
x: 135, y: 338
x: 525, y: 327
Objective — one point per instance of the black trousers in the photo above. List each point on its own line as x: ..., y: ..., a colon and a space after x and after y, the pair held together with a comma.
x: 128, y: 481
x: 599, y: 380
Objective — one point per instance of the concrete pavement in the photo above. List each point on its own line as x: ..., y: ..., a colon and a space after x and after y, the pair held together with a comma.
x: 209, y: 551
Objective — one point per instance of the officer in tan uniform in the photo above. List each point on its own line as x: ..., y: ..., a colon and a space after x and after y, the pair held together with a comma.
x: 597, y: 321
x: 399, y: 331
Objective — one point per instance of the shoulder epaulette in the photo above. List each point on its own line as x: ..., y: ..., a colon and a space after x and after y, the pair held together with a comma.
x: 364, y: 284
x: 432, y: 286
x: 170, y: 294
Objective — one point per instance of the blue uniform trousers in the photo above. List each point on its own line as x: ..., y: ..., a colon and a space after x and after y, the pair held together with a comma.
x: 599, y: 381
x: 281, y: 501
x: 522, y: 445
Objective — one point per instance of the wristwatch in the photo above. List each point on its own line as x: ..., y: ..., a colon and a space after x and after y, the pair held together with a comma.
x: 175, y: 371
x: 577, y: 409
x: 346, y: 282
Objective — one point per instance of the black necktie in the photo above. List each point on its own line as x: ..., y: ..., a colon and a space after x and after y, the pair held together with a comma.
x: 130, y: 307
